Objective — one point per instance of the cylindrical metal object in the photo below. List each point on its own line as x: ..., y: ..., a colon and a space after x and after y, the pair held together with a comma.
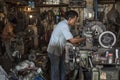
x: 95, y: 74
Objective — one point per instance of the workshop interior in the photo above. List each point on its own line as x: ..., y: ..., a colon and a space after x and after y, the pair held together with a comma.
x: 25, y: 57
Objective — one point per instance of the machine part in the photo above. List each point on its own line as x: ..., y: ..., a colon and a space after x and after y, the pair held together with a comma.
x: 113, y: 16
x: 97, y: 29
x: 77, y: 3
x: 88, y: 13
x: 76, y: 57
x: 91, y: 31
x: 95, y: 26
x: 110, y: 58
x: 90, y: 61
x: 96, y: 9
x: 111, y: 73
x: 107, y: 39
x: 29, y: 31
x: 35, y: 73
x: 39, y: 71
x: 17, y: 54
x: 24, y: 65
x: 30, y: 76
x: 68, y: 46
x: 17, y: 46
x: 95, y: 74
x: 72, y: 56
x: 32, y: 57
x: 84, y: 58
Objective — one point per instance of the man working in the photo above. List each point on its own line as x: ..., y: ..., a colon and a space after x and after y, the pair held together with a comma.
x: 60, y: 35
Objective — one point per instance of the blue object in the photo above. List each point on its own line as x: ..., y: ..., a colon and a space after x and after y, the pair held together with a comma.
x: 38, y: 78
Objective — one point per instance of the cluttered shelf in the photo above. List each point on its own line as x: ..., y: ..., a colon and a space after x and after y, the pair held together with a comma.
x: 52, y: 5
x: 107, y: 64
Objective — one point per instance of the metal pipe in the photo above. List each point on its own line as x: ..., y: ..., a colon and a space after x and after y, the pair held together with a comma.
x: 96, y: 9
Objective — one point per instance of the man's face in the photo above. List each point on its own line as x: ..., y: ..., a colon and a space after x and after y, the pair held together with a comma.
x: 72, y: 21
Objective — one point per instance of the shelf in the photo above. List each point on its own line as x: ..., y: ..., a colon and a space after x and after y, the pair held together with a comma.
x: 108, y: 65
x: 113, y: 64
x: 52, y: 5
x: 106, y: 1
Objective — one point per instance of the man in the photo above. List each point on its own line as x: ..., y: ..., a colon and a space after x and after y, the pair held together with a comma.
x: 60, y: 35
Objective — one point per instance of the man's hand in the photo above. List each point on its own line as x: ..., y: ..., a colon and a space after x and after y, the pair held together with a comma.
x: 82, y: 39
x: 77, y: 40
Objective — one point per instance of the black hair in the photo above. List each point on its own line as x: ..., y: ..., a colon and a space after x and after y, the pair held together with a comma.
x: 70, y: 14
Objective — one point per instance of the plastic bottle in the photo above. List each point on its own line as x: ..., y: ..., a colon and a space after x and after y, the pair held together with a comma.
x: 116, y: 53
x: 110, y: 58
x: 95, y: 74
x: 106, y: 55
x: 117, y: 56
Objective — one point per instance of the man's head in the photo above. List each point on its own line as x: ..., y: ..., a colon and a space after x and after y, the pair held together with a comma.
x: 71, y: 17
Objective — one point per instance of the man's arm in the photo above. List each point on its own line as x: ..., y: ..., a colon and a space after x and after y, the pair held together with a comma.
x: 76, y: 40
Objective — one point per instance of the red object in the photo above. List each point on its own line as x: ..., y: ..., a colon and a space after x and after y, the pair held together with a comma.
x: 110, y: 54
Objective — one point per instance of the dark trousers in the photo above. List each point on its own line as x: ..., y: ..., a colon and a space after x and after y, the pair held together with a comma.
x: 57, y: 67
